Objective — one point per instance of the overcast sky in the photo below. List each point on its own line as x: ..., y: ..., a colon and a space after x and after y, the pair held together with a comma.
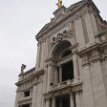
x: 20, y: 20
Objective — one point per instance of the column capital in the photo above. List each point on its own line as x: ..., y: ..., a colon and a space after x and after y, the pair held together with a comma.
x: 50, y: 62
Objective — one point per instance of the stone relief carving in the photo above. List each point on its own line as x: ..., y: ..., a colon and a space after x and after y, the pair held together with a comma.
x: 59, y: 37
x: 91, y: 56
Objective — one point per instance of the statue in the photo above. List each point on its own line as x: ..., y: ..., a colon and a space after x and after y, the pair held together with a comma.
x: 22, y: 68
x: 59, y: 4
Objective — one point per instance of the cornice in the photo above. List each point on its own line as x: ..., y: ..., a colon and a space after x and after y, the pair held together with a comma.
x: 87, y: 49
x: 74, y: 87
x: 30, y: 78
x: 94, y: 53
x: 25, y: 101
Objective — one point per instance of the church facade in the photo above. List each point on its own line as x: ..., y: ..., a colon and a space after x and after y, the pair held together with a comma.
x: 71, y: 63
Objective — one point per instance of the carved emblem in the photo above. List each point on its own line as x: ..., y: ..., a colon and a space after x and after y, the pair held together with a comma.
x: 60, y: 36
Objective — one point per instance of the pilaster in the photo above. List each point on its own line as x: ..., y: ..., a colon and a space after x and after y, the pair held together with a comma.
x: 72, y: 99
x: 77, y: 98
x: 89, y: 27
x: 34, y: 96
x: 60, y: 74
x: 50, y: 70
x: 99, y: 89
x: 47, y: 103
x: 38, y: 56
x: 53, y: 101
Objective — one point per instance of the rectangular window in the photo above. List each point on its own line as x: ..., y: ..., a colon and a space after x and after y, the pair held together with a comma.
x: 26, y: 93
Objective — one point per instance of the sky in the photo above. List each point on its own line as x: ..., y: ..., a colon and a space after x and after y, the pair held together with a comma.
x: 20, y: 21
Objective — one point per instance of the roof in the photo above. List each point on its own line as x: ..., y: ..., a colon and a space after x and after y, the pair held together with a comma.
x: 67, y: 11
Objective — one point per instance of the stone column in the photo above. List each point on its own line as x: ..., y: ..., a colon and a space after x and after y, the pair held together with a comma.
x: 38, y: 58
x: 89, y: 27
x: 60, y: 74
x: 56, y: 76
x: 79, y: 32
x: 98, y: 85
x: 71, y: 99
x: 94, y: 23
x: 34, y: 96
x: 48, y: 79
x: 47, y: 103
x: 75, y: 65
x: 77, y: 98
x: 87, y: 93
x: 53, y: 102
x: 50, y: 75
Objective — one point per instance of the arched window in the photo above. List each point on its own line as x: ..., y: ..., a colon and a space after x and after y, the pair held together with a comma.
x: 63, y: 59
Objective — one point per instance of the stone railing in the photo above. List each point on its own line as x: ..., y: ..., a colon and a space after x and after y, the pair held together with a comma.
x: 61, y: 84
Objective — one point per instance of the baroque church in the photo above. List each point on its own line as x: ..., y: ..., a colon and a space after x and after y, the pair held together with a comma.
x: 71, y: 62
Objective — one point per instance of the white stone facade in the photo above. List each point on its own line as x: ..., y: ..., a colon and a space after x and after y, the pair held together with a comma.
x: 71, y: 63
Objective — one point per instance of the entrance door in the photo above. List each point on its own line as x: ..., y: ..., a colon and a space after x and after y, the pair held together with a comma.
x: 63, y: 101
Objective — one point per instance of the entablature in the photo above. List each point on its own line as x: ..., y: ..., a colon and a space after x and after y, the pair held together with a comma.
x: 25, y: 101
x: 96, y: 52
x: 63, y: 89
x: 31, y: 80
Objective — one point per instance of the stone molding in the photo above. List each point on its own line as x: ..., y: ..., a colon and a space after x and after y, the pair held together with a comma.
x: 25, y: 101
x: 93, y: 54
x: 28, y: 83
x: 74, y: 87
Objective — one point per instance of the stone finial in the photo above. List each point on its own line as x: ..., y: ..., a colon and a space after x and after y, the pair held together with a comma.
x: 22, y: 68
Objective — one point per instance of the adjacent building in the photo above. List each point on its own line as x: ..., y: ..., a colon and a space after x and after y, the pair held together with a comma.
x: 71, y: 63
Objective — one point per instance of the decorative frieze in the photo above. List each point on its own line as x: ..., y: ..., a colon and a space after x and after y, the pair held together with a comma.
x: 91, y: 56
